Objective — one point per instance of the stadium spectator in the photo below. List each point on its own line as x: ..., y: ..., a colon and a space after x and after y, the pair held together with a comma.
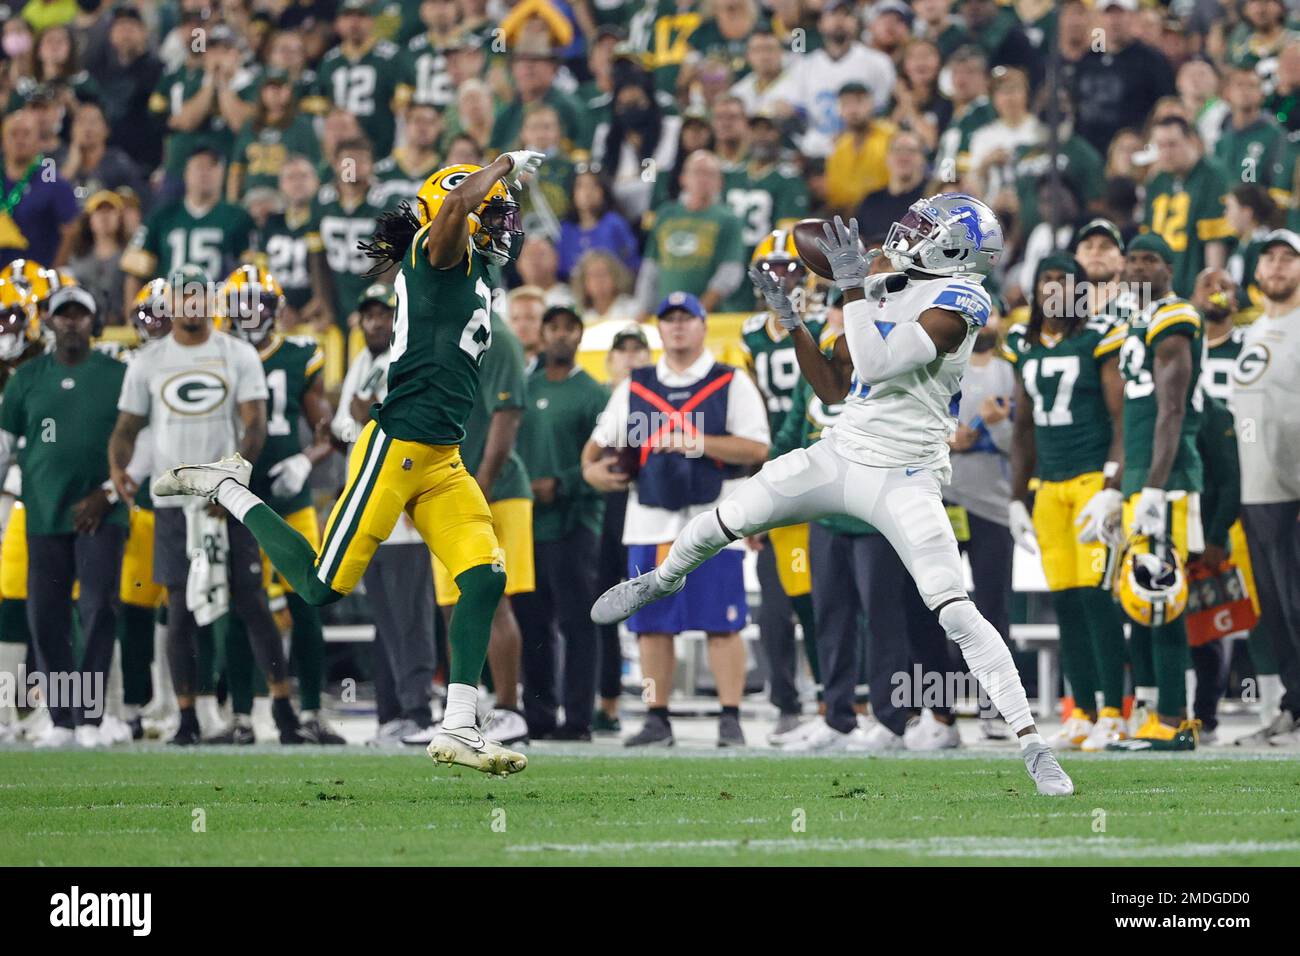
x: 762, y: 88
x: 819, y: 75
x: 998, y: 31
x: 362, y: 74
x: 1251, y: 143
x: 533, y: 71
x: 1283, y: 103
x: 638, y: 137
x: 696, y: 245
x: 917, y: 103
x: 346, y: 214
x: 936, y: 22
x: 95, y: 254
x: 20, y: 50
x: 856, y: 165
x: 602, y: 287
x: 57, y: 64
x: 906, y: 166
x: 563, y: 405
x: 993, y: 146
x: 1251, y: 215
x: 538, y: 265
x: 400, y: 174
x: 594, y: 224
x: 546, y: 199
x: 889, y: 27
x: 474, y: 112
x: 38, y: 204
x: 1184, y: 203
x: 290, y: 241
x: 338, y: 127
x: 275, y: 132
x: 89, y: 163
x: 425, y: 77
x: 61, y: 406
x: 1197, y: 83
x: 1262, y: 394
x: 971, y: 110
x: 1259, y: 37
x: 682, y: 473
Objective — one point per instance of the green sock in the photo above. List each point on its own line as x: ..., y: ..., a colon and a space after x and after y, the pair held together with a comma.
x: 291, y: 554
x: 13, y: 622
x: 307, y: 644
x: 239, y: 665
x: 1170, y: 656
x: 1076, y: 649
x: 1139, y: 655
x: 1106, y: 636
x: 135, y: 627
x: 481, y: 588
x: 803, y: 609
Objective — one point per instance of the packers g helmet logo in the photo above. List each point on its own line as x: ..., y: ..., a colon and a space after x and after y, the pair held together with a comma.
x: 1251, y: 364
x: 194, y: 392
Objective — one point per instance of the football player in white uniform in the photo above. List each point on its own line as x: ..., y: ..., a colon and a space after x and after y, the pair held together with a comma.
x: 898, y: 367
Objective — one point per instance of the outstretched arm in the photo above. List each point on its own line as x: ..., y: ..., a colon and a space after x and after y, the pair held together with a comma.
x: 449, y: 232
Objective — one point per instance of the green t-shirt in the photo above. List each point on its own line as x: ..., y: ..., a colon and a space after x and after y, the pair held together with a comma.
x: 365, y: 87
x: 65, y: 415
x: 953, y: 154
x: 1072, y: 428
x: 1187, y: 212
x: 501, y: 386
x: 707, y: 41
x: 174, y: 88
x: 689, y: 246
x: 306, y: 90
x: 341, y: 228
x: 762, y: 198
x: 424, y: 72
x: 1170, y: 316
x: 292, y: 365
x: 558, y: 420
x: 510, y: 120
x: 773, y: 364
x: 173, y: 236
x: 396, y: 182
x: 287, y: 245
x: 440, y: 333
x: 262, y: 152
x: 1080, y: 165
x: 1250, y: 155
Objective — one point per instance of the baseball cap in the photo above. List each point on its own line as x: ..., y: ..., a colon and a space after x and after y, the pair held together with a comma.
x: 127, y: 11
x: 1129, y: 5
x: 854, y: 86
x: 684, y: 301
x: 893, y: 6
x: 69, y: 294
x: 355, y: 6
x: 1283, y: 236
x: 848, y: 5
x: 105, y: 197
x: 1150, y: 242
x: 633, y: 333
x: 1098, y: 227
x: 220, y: 33
x: 276, y: 75
x: 206, y: 146
x: 380, y: 292
x: 555, y: 311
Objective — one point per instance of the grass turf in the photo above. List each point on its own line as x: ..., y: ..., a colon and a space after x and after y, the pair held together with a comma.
x: 350, y: 807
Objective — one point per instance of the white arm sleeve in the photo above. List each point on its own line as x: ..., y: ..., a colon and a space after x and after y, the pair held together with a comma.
x: 876, y: 357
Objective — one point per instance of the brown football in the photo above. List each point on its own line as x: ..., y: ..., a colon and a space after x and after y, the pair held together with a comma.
x: 806, y: 234
x: 626, y: 460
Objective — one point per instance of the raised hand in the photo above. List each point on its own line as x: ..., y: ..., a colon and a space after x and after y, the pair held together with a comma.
x: 843, y: 251
x: 778, y: 302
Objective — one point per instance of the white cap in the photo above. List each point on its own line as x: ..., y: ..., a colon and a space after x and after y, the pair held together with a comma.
x: 72, y: 293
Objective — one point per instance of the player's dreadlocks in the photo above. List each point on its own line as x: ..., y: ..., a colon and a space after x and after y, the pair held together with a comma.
x: 1073, y: 316
x: 394, y: 231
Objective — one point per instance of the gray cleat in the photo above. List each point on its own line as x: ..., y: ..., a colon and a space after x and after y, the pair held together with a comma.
x: 1281, y: 725
x: 784, y: 724
x: 729, y: 732
x: 656, y: 732
x: 627, y: 597
x: 1051, y: 780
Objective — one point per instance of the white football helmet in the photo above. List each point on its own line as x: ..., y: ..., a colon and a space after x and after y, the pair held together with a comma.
x: 944, y: 235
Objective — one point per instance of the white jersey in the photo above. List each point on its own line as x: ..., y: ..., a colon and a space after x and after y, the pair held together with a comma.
x: 907, y: 420
x: 191, y: 396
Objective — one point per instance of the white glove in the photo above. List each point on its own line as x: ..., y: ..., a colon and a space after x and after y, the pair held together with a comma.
x: 290, y: 475
x: 1100, y: 516
x: 524, y: 162
x: 1022, y: 527
x: 1149, y: 514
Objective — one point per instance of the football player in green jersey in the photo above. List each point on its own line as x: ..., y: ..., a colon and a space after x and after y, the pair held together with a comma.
x: 1161, y: 364
x: 252, y: 300
x: 1067, y: 434
x: 408, y: 457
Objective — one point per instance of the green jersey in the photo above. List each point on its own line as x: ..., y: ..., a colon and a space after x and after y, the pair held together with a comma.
x: 1170, y: 316
x: 953, y: 155
x: 510, y: 120
x: 260, y: 153
x: 558, y: 420
x: 292, y: 365
x: 174, y: 236
x: 762, y: 198
x: 424, y: 72
x: 689, y: 246
x: 770, y: 359
x: 64, y: 415
x: 341, y: 228
x: 548, y: 198
x: 707, y: 41
x: 1187, y: 212
x: 1250, y: 155
x: 501, y: 387
x: 664, y: 32
x: 287, y: 241
x: 440, y: 334
x: 1220, y: 359
x: 365, y: 87
x: 306, y: 90
x: 397, y: 180
x: 1062, y: 377
x: 1079, y: 164
x: 168, y: 99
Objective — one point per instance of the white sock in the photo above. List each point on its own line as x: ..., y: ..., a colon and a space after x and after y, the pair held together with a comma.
x: 462, y: 707
x: 130, y: 712
x: 305, y: 715
x: 236, y: 499
x: 242, y: 720
x: 1270, y: 697
x: 1028, y: 740
x: 989, y: 659
x: 1145, y: 696
x: 700, y: 540
x: 12, y: 658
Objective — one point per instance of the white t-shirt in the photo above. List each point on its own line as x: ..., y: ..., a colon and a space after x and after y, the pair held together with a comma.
x: 746, y: 417
x: 815, y: 83
x: 191, y: 396
x: 1268, y: 416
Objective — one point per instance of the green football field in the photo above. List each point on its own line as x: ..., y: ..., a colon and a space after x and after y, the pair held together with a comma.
x: 351, y: 807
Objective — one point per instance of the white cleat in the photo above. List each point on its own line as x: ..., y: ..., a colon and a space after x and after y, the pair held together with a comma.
x: 88, y: 737
x: 1106, y: 731
x: 114, y: 731
x: 794, y: 735
x: 1072, y: 733
x: 627, y: 597
x: 467, y: 747
x: 875, y: 738
x: 927, y: 732
x: 54, y: 738
x: 1046, y: 772
x: 203, y: 480
x: 821, y: 738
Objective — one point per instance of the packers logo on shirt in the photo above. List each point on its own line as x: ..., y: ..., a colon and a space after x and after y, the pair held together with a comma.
x: 1251, y: 364
x: 194, y: 392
